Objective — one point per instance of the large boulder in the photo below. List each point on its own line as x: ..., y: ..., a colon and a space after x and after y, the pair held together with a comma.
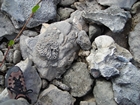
x: 19, y: 11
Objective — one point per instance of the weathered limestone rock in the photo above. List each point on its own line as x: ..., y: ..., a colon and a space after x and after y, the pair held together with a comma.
x: 134, y: 43
x: 66, y: 2
x: 1, y: 80
x: 54, y: 50
x: 87, y: 103
x: 32, y: 78
x: 103, y: 93
x: 6, y: 28
x: 126, y: 4
x: 53, y: 96
x: 106, y: 57
x: 78, y: 79
x: 126, y: 86
x: 46, y: 12
x: 16, y: 56
x: 113, y: 17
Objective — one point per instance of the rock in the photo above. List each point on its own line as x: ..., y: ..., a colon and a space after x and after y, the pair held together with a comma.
x: 87, y: 103
x: 32, y: 78
x: 121, y: 3
x: 126, y: 86
x: 61, y: 85
x: 6, y: 28
x: 4, y: 95
x: 106, y: 57
x: 53, y: 96
x: 46, y: 12
x: 94, y: 31
x: 135, y: 8
x: 9, y: 57
x: 103, y: 93
x: 134, y: 43
x: 64, y: 13
x: 3, y: 68
x: 1, y: 80
x: 88, y: 5
x: 44, y: 84
x: 113, y: 17
x: 55, y: 57
x: 1, y: 56
x: 78, y: 79
x: 66, y: 2
x: 29, y: 33
x: 16, y: 56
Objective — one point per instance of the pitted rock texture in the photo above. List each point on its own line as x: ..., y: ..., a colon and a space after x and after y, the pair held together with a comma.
x: 106, y: 57
x: 46, y: 12
x: 54, y: 50
x: 113, y: 17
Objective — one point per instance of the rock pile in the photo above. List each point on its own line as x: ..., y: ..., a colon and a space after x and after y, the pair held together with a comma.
x: 74, y: 52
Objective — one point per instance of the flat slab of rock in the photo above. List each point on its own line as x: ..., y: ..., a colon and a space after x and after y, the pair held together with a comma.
x: 113, y: 17
x: 46, y: 12
x: 126, y: 4
x: 53, y: 96
x: 126, y: 86
x: 106, y: 57
x: 78, y: 79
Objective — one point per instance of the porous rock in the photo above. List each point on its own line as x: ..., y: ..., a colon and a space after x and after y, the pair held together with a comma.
x: 53, y: 96
x: 78, y: 79
x: 46, y: 12
x: 113, y: 17
x: 106, y: 57
x: 66, y: 2
x: 54, y: 50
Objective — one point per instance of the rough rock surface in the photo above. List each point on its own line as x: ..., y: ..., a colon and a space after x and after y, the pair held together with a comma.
x: 126, y: 4
x: 106, y: 57
x: 134, y: 42
x: 32, y: 78
x: 53, y: 96
x: 54, y: 50
x: 6, y: 28
x: 78, y: 79
x: 103, y: 93
x: 46, y: 12
x: 66, y: 2
x: 113, y: 17
x: 127, y: 86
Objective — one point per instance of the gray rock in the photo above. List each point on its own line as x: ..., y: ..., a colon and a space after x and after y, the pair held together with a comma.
x: 16, y: 56
x: 46, y: 12
x: 45, y: 84
x: 64, y: 13
x: 53, y: 96
x: 54, y: 50
x: 9, y: 57
x: 134, y: 43
x: 103, y: 93
x: 121, y: 3
x: 106, y: 57
x: 113, y: 17
x: 66, y: 2
x: 32, y: 78
x: 126, y: 86
x: 1, y: 80
x: 1, y: 56
x: 6, y: 28
x: 29, y: 33
x: 135, y: 8
x: 61, y: 85
x: 87, y: 5
x: 3, y: 68
x: 78, y: 79
x: 87, y: 103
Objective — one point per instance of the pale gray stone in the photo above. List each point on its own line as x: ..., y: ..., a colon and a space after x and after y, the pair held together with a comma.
x: 53, y: 96
x: 6, y: 28
x: 54, y: 50
x: 87, y: 103
x: 64, y: 13
x: 126, y: 4
x: 134, y: 43
x: 29, y: 33
x: 106, y: 57
x: 103, y: 93
x: 66, y: 2
x: 126, y: 86
x: 9, y: 57
x: 1, y: 56
x: 60, y: 85
x: 113, y: 17
x: 1, y: 80
x: 32, y: 79
x: 135, y: 8
x: 78, y: 79
x: 44, y: 84
x: 46, y: 12
x: 16, y: 56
